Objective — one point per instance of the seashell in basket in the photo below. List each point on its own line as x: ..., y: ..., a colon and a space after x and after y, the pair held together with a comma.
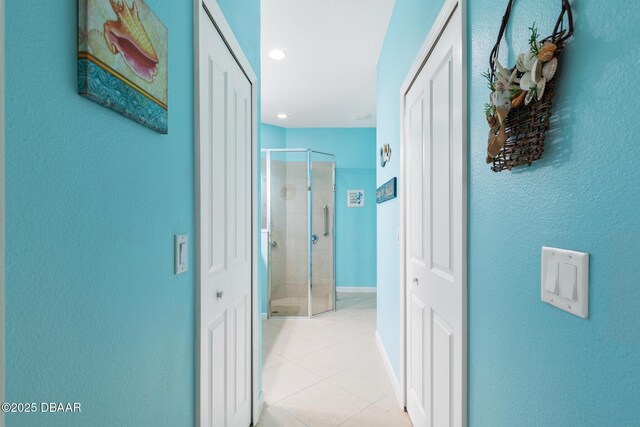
x: 536, y: 72
x: 528, y: 98
x: 546, y: 51
x: 525, y: 81
x: 520, y: 63
x: 501, y: 99
x: 540, y: 86
x: 518, y: 100
x: 549, y: 69
x: 529, y: 59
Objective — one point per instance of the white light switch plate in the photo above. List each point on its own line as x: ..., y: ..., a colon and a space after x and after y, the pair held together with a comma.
x: 181, y: 253
x: 565, y: 267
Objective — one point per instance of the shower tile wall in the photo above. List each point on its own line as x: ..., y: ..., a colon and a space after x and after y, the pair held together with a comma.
x: 290, y: 229
x: 278, y: 267
x: 297, y: 230
x: 289, y: 260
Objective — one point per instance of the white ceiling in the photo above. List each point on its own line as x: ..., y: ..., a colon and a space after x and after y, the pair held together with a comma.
x: 329, y: 74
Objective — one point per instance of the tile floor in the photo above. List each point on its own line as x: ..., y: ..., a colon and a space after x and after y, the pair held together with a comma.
x: 298, y: 306
x: 327, y: 371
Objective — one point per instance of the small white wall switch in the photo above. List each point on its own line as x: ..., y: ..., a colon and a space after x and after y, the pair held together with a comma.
x: 568, y: 273
x: 551, y: 277
x: 565, y: 280
x: 181, y: 253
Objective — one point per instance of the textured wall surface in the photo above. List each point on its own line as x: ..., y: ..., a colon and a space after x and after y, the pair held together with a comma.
x: 407, y: 30
x: 531, y: 364
x: 94, y: 312
x: 582, y: 195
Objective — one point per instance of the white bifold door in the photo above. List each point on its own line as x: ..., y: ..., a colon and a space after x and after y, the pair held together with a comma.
x: 435, y: 235
x: 224, y: 235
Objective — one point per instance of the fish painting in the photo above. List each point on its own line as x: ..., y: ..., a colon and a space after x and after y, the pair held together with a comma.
x: 123, y: 59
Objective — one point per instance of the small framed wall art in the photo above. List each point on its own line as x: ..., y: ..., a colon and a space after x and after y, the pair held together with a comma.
x: 355, y: 198
x: 122, y: 59
x: 386, y: 191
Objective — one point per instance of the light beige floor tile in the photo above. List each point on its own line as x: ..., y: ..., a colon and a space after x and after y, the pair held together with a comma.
x: 384, y: 413
x: 277, y: 417
x: 302, y: 325
x: 298, y: 353
x: 294, y: 346
x: 389, y: 403
x: 327, y: 335
x: 337, y: 316
x: 270, y: 358
x: 354, y: 326
x: 368, y: 380
x: 367, y: 315
x: 362, y: 347
x: 284, y: 380
x: 323, y: 405
x: 269, y: 328
x: 276, y: 334
x: 329, y: 360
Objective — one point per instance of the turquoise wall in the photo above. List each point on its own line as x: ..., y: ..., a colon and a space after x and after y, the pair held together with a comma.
x: 531, y: 364
x: 94, y: 313
x: 408, y: 27
x: 355, y: 150
x: 273, y: 136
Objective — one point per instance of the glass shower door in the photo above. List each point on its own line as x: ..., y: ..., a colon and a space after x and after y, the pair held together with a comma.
x: 288, y: 234
x: 322, y: 171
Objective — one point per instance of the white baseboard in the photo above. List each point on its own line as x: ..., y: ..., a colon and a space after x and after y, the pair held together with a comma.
x: 259, y: 408
x: 392, y: 375
x: 359, y: 289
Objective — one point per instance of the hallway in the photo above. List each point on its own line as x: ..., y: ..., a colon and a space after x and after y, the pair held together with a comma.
x: 328, y: 371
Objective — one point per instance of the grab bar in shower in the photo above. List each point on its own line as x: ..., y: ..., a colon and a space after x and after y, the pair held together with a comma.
x: 326, y: 220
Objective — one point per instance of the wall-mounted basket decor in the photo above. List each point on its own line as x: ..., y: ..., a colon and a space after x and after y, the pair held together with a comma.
x: 519, y: 110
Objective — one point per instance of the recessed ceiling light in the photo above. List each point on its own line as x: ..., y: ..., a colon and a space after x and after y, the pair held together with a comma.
x: 283, y: 115
x: 277, y: 54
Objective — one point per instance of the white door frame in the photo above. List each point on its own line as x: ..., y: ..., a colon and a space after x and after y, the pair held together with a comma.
x: 432, y: 38
x: 2, y: 209
x: 234, y: 47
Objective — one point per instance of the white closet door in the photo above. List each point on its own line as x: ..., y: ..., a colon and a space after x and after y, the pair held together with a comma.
x: 224, y: 236
x: 435, y: 236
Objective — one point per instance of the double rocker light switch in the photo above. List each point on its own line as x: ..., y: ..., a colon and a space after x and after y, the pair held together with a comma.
x: 565, y: 280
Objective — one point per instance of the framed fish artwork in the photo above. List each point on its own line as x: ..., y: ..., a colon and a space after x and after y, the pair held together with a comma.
x: 122, y: 59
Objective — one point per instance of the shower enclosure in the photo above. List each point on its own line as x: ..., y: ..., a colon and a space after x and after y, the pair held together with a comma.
x: 298, y: 222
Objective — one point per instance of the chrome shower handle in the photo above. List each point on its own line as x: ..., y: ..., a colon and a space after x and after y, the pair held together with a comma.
x: 326, y: 220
